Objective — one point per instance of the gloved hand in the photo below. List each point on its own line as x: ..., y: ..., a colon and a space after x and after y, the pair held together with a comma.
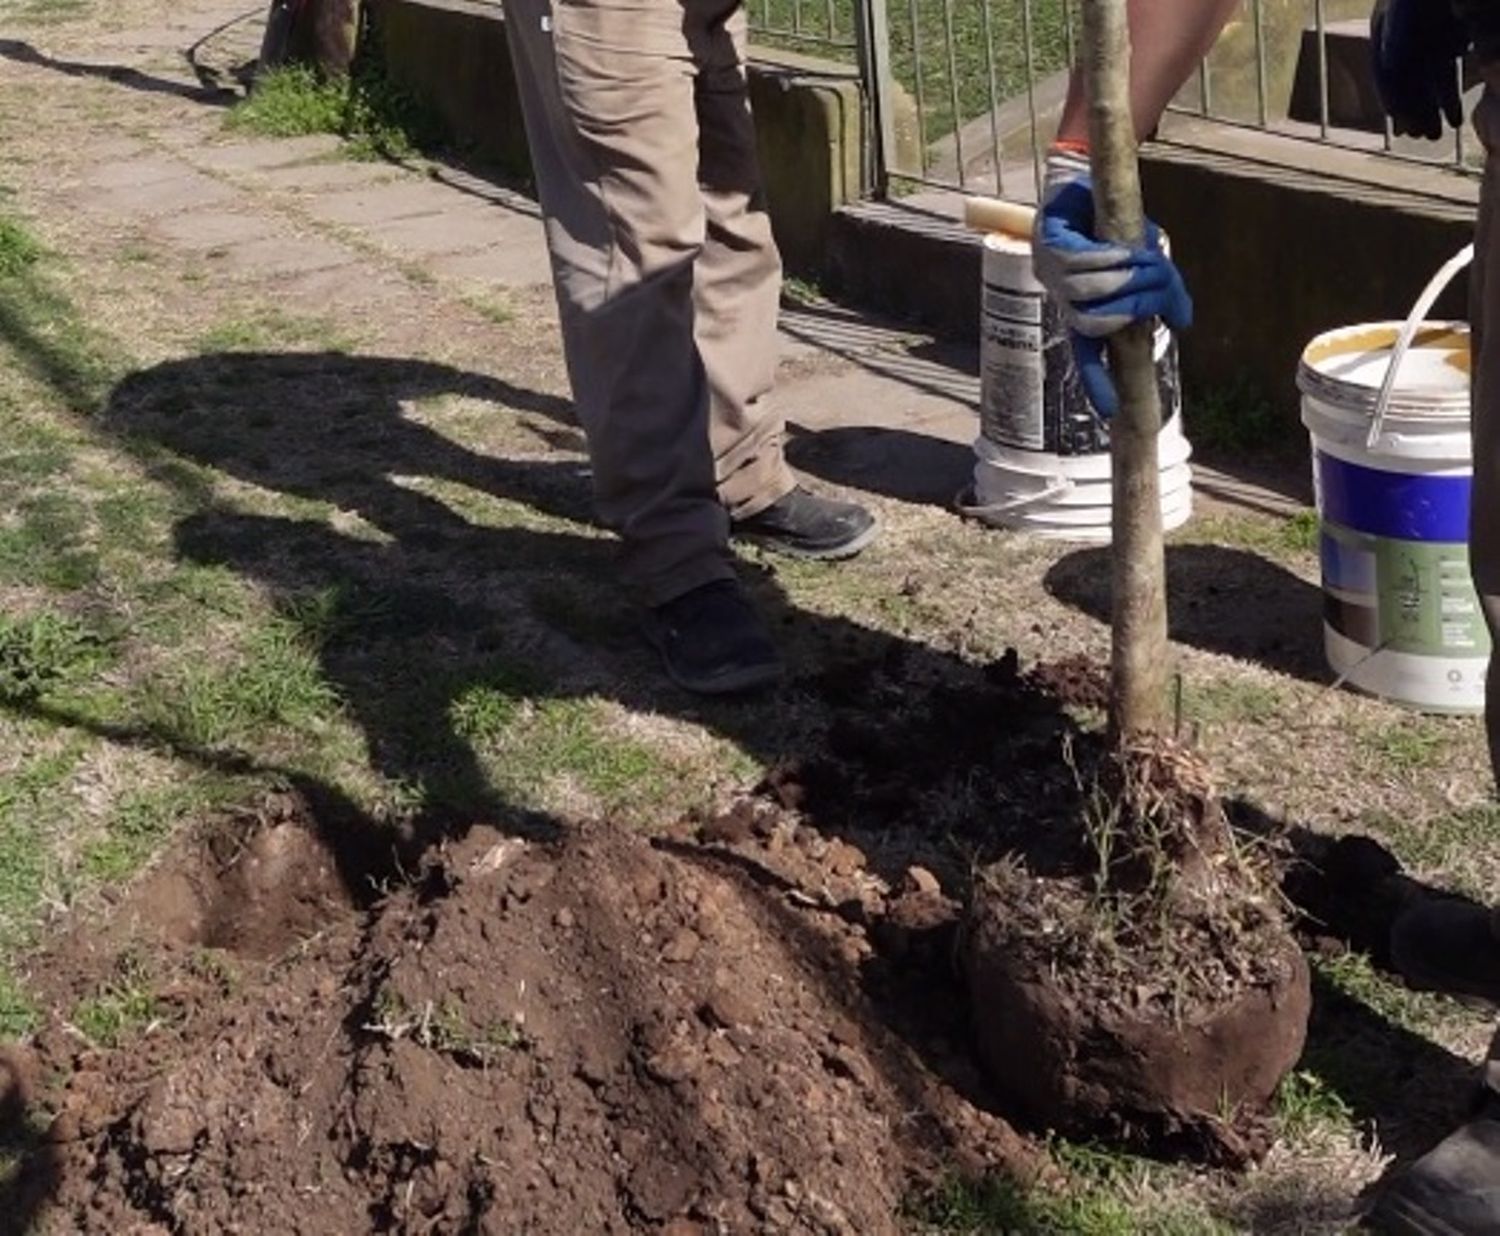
x: 1102, y: 287
x: 1413, y: 46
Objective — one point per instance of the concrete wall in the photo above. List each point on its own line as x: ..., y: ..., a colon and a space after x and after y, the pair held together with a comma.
x: 1275, y: 253
x: 809, y: 117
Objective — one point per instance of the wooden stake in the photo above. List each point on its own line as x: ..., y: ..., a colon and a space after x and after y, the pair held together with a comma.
x: 1138, y: 662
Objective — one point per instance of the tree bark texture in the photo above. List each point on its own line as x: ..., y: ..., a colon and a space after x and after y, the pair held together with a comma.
x: 1138, y: 662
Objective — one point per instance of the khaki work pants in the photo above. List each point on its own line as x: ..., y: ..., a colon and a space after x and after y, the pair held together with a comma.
x: 638, y: 117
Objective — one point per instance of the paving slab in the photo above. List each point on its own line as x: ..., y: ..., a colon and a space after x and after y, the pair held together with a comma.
x: 452, y: 232
x: 260, y: 155
x: 188, y: 190
x: 515, y: 262
x: 145, y: 169
x: 213, y: 229
x: 382, y: 203
x: 277, y: 256
x: 329, y: 177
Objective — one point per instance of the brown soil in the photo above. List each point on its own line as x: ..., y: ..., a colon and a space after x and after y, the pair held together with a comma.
x: 601, y: 1034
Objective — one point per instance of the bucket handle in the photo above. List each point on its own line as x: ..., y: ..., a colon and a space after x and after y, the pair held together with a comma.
x: 1056, y: 486
x: 1409, y: 328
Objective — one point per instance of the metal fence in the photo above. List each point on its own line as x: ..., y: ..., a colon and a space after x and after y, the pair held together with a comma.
x: 965, y: 94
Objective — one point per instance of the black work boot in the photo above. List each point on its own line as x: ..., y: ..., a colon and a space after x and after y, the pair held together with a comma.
x: 712, y: 641
x: 1453, y: 1190
x: 803, y: 525
x: 1448, y: 944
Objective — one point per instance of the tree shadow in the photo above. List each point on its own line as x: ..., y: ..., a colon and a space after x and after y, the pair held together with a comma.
x: 121, y: 75
x: 1223, y: 600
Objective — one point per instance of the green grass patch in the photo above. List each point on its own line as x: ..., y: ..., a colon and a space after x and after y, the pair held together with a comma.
x: 1289, y: 538
x: 19, y: 250
x: 269, y: 329
x: 1420, y: 1012
x: 1407, y: 745
x: 123, y: 1009
x: 42, y: 331
x: 44, y: 12
x: 1448, y: 843
x: 1220, y: 701
x: 144, y: 819
x: 1105, y: 1195
x: 277, y: 681
x: 375, y: 117
x: 1307, y: 1106
x: 18, y: 1015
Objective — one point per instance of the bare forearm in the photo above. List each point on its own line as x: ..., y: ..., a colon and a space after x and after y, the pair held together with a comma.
x: 1168, y: 38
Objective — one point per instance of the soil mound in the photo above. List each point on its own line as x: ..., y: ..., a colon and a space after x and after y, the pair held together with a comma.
x: 603, y: 1034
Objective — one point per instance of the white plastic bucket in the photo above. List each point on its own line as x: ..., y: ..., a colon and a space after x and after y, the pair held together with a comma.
x: 1069, y: 497
x: 1042, y: 461
x: 1387, y: 407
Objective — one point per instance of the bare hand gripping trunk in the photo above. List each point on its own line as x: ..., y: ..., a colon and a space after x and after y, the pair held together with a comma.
x: 1139, y: 656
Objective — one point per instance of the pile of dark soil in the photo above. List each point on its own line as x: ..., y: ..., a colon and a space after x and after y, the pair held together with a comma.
x: 764, y: 1020
x: 601, y: 1034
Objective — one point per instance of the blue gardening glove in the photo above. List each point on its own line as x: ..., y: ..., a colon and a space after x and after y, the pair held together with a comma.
x: 1414, y: 45
x: 1101, y: 287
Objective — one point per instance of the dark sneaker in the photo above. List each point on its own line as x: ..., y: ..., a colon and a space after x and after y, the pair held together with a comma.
x: 1453, y: 1190
x: 712, y: 641
x: 804, y: 525
x: 1451, y: 945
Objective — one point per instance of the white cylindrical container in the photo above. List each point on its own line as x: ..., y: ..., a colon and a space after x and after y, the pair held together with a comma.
x: 1401, y: 617
x: 1042, y: 457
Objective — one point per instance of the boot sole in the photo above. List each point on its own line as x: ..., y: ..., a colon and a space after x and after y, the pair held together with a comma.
x: 831, y: 553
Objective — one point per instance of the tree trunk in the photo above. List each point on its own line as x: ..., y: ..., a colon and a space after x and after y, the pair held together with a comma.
x: 327, y: 36
x: 1138, y: 662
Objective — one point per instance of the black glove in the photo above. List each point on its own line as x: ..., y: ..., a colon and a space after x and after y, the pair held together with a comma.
x: 1414, y: 44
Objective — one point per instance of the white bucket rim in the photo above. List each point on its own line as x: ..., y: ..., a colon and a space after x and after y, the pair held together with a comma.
x: 1365, y: 342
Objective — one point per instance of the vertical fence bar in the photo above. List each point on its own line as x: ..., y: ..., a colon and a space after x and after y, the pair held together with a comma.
x: 872, y: 38
x: 1263, y: 105
x: 916, y: 69
x: 1068, y: 48
x: 796, y: 16
x: 1205, y: 88
x: 1459, y: 152
x: 831, y: 19
x: 1036, y: 139
x: 953, y: 99
x: 1322, y: 24
x: 994, y: 96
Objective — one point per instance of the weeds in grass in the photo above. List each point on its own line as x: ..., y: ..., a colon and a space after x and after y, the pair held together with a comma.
x: 1407, y: 745
x: 18, y: 1015
x: 19, y: 251
x: 45, y: 651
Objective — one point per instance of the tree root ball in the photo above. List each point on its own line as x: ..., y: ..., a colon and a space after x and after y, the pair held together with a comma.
x: 1160, y: 1013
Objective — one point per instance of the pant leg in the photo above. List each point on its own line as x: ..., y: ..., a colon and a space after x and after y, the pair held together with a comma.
x: 607, y: 89
x: 737, y: 284
x: 1484, y: 317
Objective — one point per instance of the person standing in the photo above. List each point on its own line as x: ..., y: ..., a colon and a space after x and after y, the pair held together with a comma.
x: 668, y: 281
